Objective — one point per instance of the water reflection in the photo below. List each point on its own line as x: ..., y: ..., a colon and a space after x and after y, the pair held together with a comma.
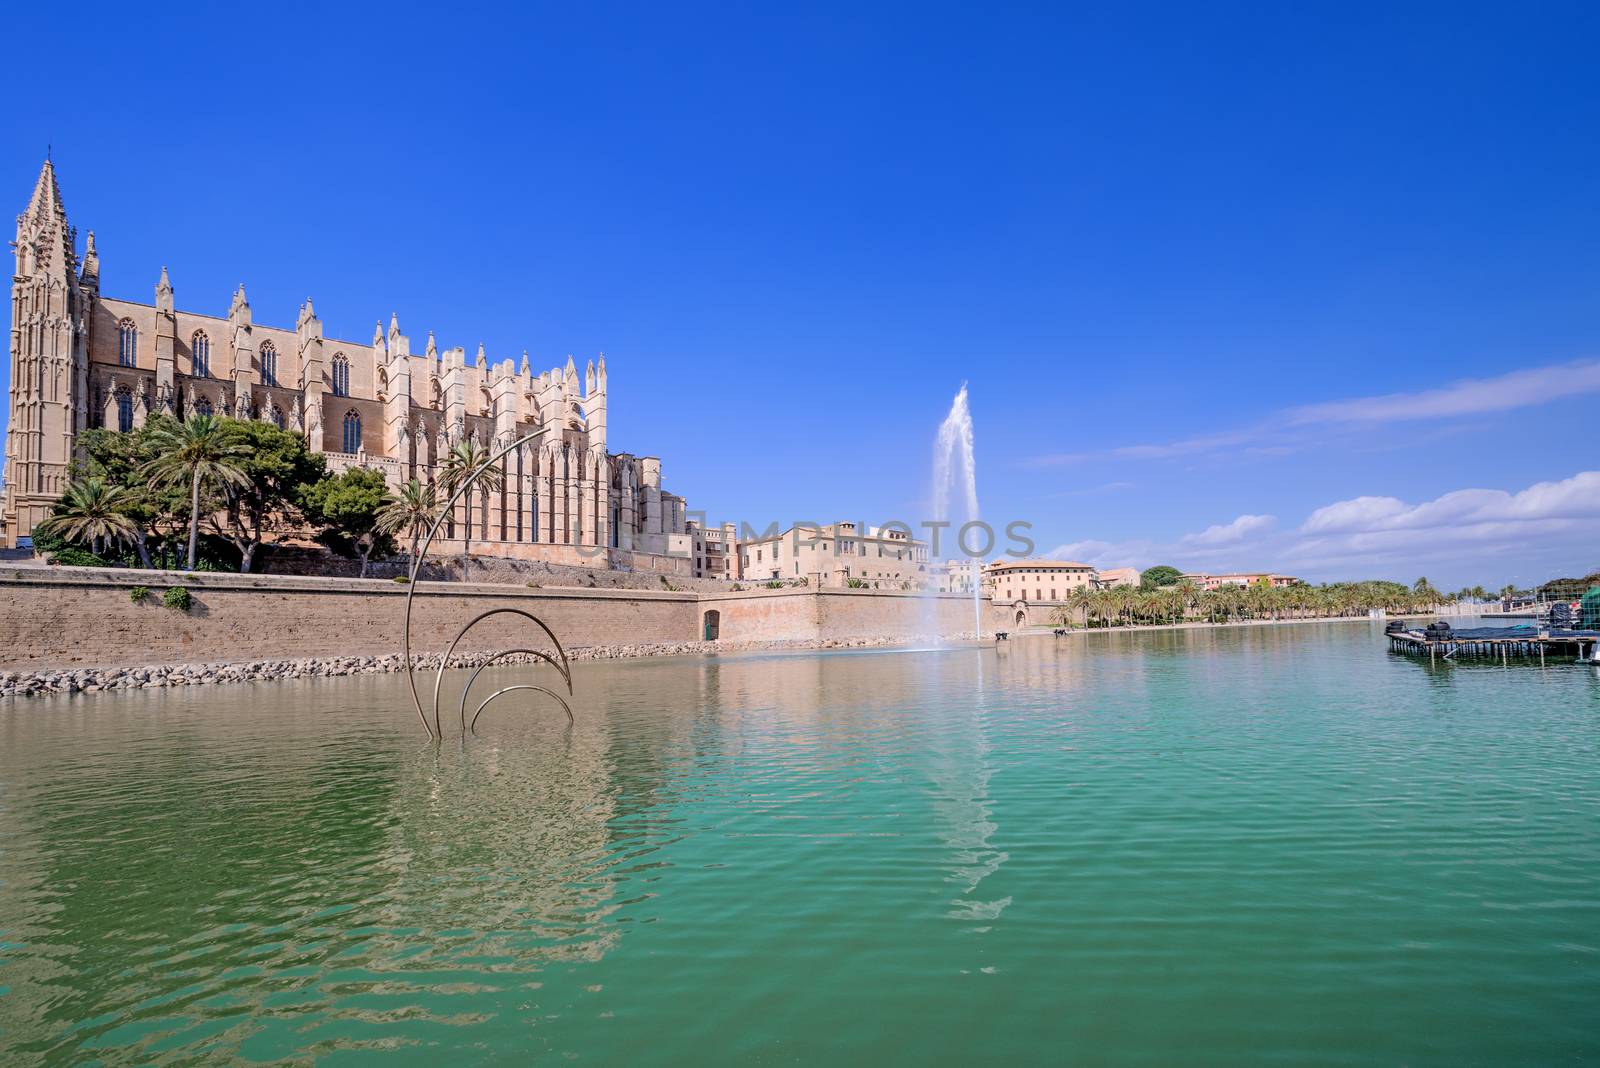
x: 720, y: 853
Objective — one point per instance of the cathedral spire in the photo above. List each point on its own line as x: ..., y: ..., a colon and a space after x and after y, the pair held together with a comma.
x: 483, y: 361
x: 433, y: 347
x: 46, y: 194
x: 164, y: 291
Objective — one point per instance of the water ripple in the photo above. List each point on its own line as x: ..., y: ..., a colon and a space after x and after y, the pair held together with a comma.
x: 1251, y: 846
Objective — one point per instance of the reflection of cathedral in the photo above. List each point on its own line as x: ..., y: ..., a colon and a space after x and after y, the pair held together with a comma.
x: 81, y: 360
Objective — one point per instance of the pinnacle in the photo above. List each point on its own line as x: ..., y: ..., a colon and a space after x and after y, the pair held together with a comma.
x: 46, y: 193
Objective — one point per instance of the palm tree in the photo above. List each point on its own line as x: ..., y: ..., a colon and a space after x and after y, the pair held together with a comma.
x: 466, y: 458
x: 94, y: 512
x: 414, y: 509
x: 202, y: 451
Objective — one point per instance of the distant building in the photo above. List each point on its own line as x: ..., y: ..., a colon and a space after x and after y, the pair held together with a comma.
x: 1239, y: 578
x: 953, y: 576
x: 1037, y: 581
x: 833, y: 555
x: 715, y: 550
x: 1116, y: 576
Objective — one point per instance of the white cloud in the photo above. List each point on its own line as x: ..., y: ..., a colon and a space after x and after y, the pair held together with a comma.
x: 1577, y: 497
x: 1474, y: 396
x: 1295, y: 427
x: 1230, y: 533
x: 1469, y: 534
x: 1355, y: 514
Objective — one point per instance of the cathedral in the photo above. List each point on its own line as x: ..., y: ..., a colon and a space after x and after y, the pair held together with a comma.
x: 80, y: 360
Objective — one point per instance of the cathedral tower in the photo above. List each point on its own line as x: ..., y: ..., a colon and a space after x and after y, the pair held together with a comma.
x: 49, y: 364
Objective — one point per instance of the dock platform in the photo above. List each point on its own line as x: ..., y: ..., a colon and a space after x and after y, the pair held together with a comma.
x: 1497, y: 643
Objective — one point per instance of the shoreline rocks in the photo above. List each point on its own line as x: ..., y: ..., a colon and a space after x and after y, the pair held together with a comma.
x: 50, y: 682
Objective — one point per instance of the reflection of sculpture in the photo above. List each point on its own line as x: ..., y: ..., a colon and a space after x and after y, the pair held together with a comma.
x: 436, y: 729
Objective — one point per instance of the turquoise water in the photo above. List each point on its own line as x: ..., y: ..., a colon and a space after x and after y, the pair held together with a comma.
x: 1254, y: 846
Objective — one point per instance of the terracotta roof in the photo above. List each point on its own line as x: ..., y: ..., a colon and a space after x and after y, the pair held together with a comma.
x: 1009, y: 565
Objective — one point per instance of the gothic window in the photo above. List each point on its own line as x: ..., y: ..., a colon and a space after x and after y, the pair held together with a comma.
x: 127, y: 342
x: 352, y: 431
x: 124, y: 410
x: 341, y: 376
x: 269, y: 365
x: 202, y: 406
x: 200, y: 354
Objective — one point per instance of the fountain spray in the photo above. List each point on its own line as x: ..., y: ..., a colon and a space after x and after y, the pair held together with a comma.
x: 952, y: 453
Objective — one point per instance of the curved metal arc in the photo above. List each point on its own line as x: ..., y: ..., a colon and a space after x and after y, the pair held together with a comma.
x: 512, y: 689
x: 503, y: 654
x: 416, y: 567
x: 444, y: 661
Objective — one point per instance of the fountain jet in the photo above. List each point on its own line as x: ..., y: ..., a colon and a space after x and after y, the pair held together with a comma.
x: 952, y: 459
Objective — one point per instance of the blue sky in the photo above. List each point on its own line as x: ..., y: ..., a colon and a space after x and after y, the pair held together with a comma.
x: 1174, y: 251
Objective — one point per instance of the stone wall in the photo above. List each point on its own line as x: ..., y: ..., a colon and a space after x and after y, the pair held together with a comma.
x: 69, y: 617
x: 86, y: 617
x: 780, y: 615
x: 623, y: 570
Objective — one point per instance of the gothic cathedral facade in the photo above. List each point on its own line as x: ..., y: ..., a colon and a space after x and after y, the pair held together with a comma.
x: 81, y: 360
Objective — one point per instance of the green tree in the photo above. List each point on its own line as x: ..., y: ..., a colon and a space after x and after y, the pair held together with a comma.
x: 203, y: 452
x: 413, y: 511
x: 119, y: 459
x: 278, y: 468
x: 1161, y: 575
x: 466, y: 458
x: 349, y: 506
x: 91, y: 512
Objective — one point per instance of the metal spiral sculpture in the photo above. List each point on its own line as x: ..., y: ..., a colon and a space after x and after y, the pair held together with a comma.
x: 559, y: 661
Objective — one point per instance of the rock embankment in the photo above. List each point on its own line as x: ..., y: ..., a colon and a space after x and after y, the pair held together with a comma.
x: 94, y: 680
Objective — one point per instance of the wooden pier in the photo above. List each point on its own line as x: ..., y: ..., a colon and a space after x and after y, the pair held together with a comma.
x: 1494, y: 644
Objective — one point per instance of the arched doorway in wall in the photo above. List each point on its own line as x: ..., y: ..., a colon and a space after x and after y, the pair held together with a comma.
x: 713, y: 625
x: 1022, y: 617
